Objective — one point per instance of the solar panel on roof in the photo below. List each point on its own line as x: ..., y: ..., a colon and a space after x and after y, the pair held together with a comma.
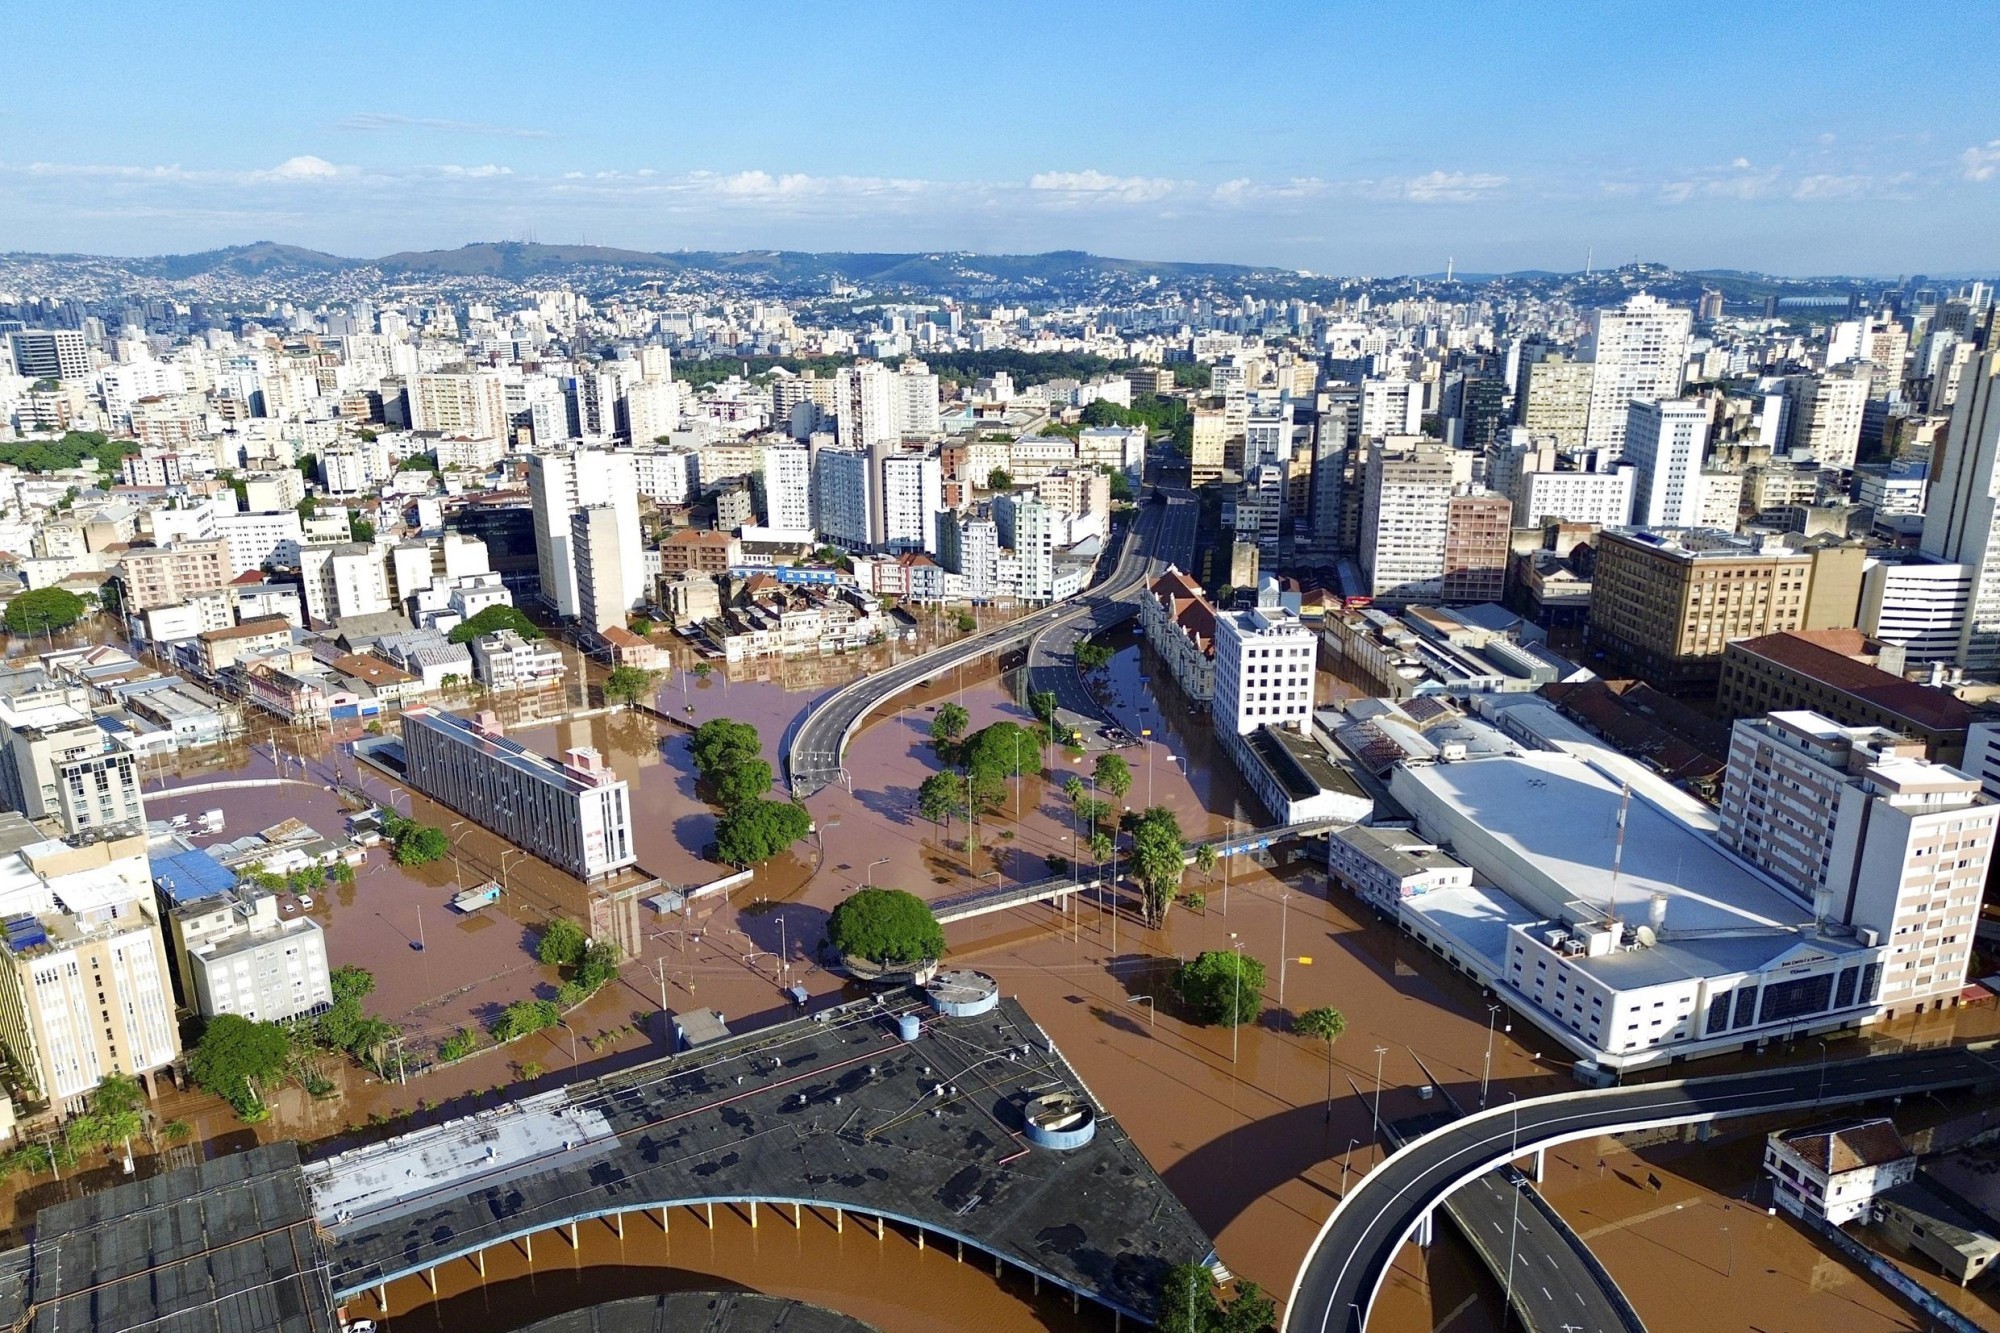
x: 189, y: 875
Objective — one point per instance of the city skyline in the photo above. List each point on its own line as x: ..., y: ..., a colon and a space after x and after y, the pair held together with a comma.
x: 1509, y: 145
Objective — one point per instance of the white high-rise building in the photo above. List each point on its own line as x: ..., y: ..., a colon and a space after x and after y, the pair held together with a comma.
x: 1391, y: 407
x: 1263, y: 670
x: 869, y: 405
x: 843, y: 491
x: 1639, y: 353
x: 912, y: 494
x: 1603, y: 498
x: 1824, y: 418
x: 561, y: 484
x: 1917, y: 605
x: 1405, y: 509
x: 458, y: 403
x: 596, y: 549
x: 787, y: 481
x: 1870, y: 834
x: 1027, y: 527
x: 1664, y: 441
x: 1959, y: 522
x: 919, y: 390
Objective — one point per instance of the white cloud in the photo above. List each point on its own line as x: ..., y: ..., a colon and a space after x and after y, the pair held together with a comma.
x: 1740, y: 163
x: 387, y: 120
x: 304, y: 167
x: 1982, y: 161
x: 1100, y: 186
x: 1451, y: 187
x: 1830, y: 186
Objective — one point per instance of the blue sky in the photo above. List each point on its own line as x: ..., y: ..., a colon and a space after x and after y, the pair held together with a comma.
x: 1343, y: 138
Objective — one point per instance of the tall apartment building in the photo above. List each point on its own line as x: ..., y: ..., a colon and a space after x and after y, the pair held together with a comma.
x: 1026, y: 530
x: 1405, y: 510
x: 1209, y: 444
x: 1960, y: 522
x: 50, y: 354
x: 786, y: 481
x: 911, y: 494
x: 918, y: 390
x: 1476, y: 540
x: 350, y: 579
x: 1391, y: 407
x: 561, y: 484
x: 1667, y: 603
x: 1263, y: 671
x: 84, y: 988
x: 166, y: 575
x: 1600, y: 498
x: 869, y: 405
x: 57, y: 763
x: 843, y: 493
x: 597, y: 552
x: 1555, y: 400
x: 1665, y: 441
x: 576, y: 814
x: 1858, y: 824
x: 470, y: 403
x: 1823, y: 417
x: 234, y: 952
x: 1639, y: 353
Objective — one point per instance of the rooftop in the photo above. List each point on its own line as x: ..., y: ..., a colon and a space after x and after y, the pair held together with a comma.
x: 1849, y: 1147
x: 832, y: 1109
x: 1924, y: 705
x: 227, y: 1246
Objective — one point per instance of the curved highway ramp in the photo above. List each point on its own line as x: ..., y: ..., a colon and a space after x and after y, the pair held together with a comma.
x: 1354, y: 1251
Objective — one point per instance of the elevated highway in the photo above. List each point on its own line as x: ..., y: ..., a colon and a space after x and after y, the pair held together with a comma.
x: 818, y: 739
x: 1348, y: 1261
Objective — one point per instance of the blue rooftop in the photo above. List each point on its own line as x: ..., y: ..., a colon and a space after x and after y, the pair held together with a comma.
x: 191, y: 875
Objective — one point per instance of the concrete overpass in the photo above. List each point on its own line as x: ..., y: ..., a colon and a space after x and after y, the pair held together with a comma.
x: 819, y: 737
x: 1345, y: 1268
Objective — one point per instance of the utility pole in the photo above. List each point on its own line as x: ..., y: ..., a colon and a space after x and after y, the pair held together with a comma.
x: 1380, y: 1051
x: 1284, y: 951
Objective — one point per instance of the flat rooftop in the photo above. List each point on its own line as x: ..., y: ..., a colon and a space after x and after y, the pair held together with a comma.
x: 832, y: 1109
x: 227, y: 1246
x: 1556, y: 816
x: 512, y: 753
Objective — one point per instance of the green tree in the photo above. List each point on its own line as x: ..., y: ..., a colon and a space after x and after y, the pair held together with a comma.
x: 598, y: 967
x: 942, y: 795
x: 721, y: 744
x: 629, y: 683
x: 756, y: 831
x: 112, y: 1117
x: 949, y: 724
x: 1042, y: 703
x: 1323, y: 1024
x: 743, y: 782
x: 966, y: 622
x: 1101, y: 848
x: 492, y: 620
x: 1159, y: 859
x: 1000, y: 751
x: 886, y: 926
x: 999, y: 479
x: 1222, y: 986
x: 360, y: 529
x: 351, y: 983
x: 1113, y: 774
x: 1092, y: 655
x: 524, y: 1017
x: 419, y: 845
x: 1092, y: 810
x: 44, y: 610
x: 234, y: 1055
x: 1189, y: 1303
x: 1205, y: 859
x: 562, y: 943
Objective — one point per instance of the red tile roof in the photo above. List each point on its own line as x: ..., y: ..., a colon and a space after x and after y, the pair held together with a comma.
x: 1924, y: 705
x: 1848, y: 1147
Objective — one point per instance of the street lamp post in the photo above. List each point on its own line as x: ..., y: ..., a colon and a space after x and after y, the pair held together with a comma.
x: 1486, y: 1072
x: 1152, y: 1009
x: 1284, y: 949
x: 1236, y: 1004
x: 871, y: 869
x: 1380, y: 1051
x: 572, y: 1041
x: 1346, y: 1158
x: 1822, y: 1071
x: 1514, y: 1228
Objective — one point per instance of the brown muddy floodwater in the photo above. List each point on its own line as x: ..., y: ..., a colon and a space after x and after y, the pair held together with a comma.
x: 1249, y: 1130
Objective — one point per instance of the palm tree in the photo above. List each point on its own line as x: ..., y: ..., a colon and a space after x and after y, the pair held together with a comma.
x: 1327, y: 1025
x: 1204, y: 860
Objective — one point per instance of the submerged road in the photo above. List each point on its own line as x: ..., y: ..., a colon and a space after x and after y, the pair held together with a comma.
x: 814, y: 748
x: 1356, y: 1248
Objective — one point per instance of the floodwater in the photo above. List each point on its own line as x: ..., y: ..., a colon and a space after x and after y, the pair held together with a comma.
x: 1256, y: 1131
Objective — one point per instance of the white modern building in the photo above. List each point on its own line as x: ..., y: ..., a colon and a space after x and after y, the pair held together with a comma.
x: 1405, y: 511
x: 1263, y: 671
x: 1664, y: 442
x: 870, y: 401
x: 561, y: 484
x: 1639, y: 354
x: 1869, y: 834
x: 1603, y: 498
x: 912, y: 492
x: 787, y: 485
x: 1918, y: 605
x: 843, y: 492
x: 597, y: 554
x: 1391, y: 407
x: 575, y: 814
x: 503, y: 660
x: 1960, y: 520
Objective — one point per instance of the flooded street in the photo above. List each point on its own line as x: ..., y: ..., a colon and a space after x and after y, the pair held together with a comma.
x: 1252, y: 1130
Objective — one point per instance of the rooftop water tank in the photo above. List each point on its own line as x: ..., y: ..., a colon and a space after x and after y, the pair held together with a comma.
x: 909, y: 1027
x: 1061, y: 1120
x: 963, y: 993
